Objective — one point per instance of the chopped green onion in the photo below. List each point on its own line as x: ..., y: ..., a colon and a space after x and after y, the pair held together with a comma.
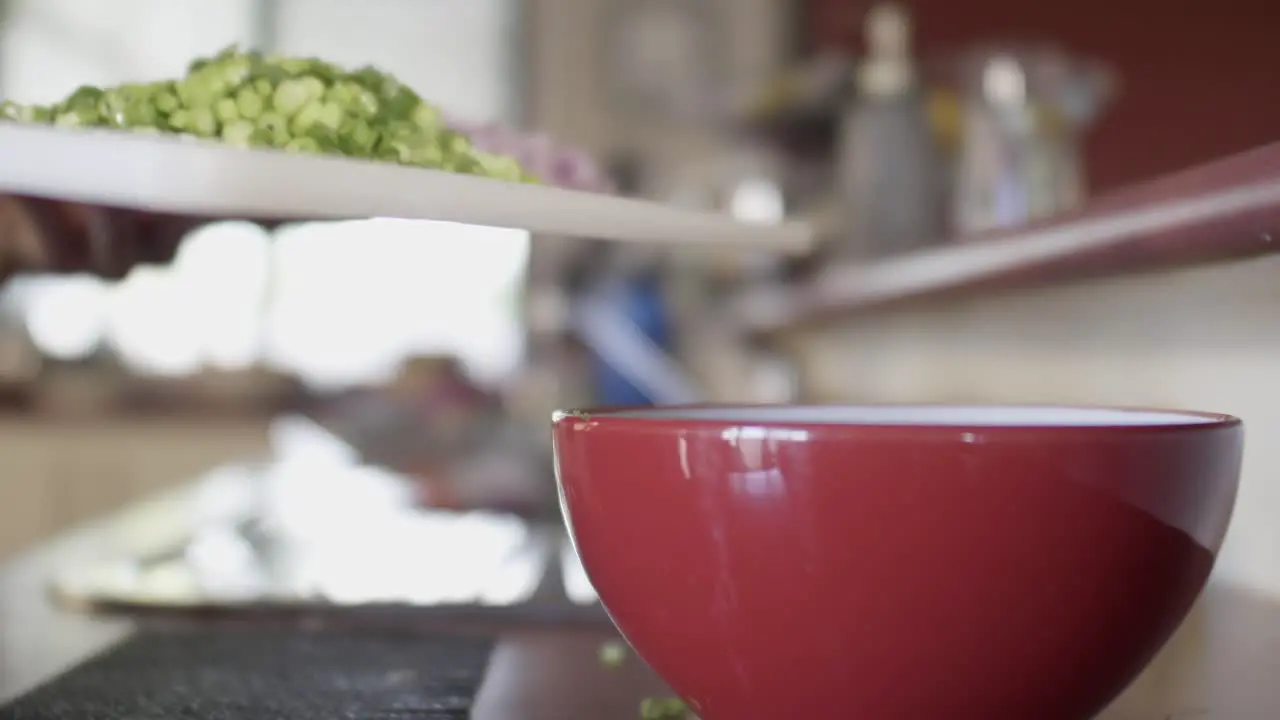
x: 306, y: 117
x: 12, y: 111
x: 203, y: 122
x: 249, y: 104
x: 239, y: 133
x: 139, y: 114
x: 227, y: 110
x: 290, y: 97
x: 426, y: 116
x: 300, y: 105
x: 181, y: 120
x: 331, y: 115
x: 313, y: 86
x: 263, y: 88
x: 68, y: 120
x: 302, y: 144
x: 166, y: 102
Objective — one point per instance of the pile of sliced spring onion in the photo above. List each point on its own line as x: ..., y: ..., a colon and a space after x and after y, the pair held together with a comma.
x: 302, y: 105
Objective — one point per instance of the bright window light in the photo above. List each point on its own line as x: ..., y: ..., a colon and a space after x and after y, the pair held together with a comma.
x: 757, y: 200
x: 66, y: 316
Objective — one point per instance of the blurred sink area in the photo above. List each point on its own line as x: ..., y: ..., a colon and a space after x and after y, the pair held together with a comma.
x: 314, y: 526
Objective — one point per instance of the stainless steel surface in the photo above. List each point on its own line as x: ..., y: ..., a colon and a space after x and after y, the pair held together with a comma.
x: 314, y: 527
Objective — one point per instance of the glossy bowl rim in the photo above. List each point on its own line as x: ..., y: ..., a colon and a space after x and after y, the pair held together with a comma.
x: 726, y: 415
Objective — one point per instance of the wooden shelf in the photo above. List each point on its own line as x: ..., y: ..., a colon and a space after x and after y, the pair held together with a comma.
x: 1225, y: 210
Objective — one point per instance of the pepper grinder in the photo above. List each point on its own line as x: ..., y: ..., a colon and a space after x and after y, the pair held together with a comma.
x: 890, y: 175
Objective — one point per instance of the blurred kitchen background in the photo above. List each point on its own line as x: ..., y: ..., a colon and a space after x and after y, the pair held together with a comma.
x: 390, y: 382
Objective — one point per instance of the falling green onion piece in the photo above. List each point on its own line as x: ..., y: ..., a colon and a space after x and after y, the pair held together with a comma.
x: 613, y: 654
x: 664, y: 708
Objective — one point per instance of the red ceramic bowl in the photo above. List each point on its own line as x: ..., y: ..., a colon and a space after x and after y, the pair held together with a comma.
x: 897, y: 562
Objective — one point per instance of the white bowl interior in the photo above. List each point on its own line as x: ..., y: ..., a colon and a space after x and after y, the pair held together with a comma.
x: 924, y: 415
